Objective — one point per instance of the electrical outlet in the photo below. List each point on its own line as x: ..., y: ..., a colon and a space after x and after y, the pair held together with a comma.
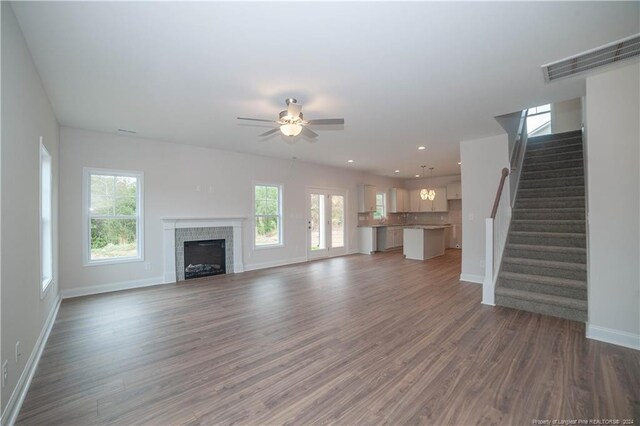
x: 18, y: 352
x: 147, y: 266
x: 5, y: 372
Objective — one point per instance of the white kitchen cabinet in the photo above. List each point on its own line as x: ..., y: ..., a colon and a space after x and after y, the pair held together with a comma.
x: 367, y: 240
x: 415, y: 202
x: 389, y: 237
x: 454, y: 191
x: 440, y: 204
x: 397, y: 200
x: 366, y: 198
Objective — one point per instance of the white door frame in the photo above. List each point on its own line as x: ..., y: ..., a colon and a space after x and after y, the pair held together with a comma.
x: 328, y: 251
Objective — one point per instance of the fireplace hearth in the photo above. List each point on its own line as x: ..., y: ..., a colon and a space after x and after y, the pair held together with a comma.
x: 204, y: 258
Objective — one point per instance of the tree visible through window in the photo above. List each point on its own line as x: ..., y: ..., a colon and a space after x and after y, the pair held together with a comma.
x: 114, y: 215
x: 380, y: 206
x: 268, y: 215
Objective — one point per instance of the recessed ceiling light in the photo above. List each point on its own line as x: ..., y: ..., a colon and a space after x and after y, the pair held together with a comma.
x: 349, y: 161
x: 417, y: 175
x: 459, y: 162
x: 422, y: 147
x: 397, y: 171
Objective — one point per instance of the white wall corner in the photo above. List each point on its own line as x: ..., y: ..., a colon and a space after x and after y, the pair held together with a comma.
x: 616, y: 337
x: 14, y: 404
x: 472, y: 278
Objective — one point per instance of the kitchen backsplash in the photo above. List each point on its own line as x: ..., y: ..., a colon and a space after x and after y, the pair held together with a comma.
x: 453, y: 217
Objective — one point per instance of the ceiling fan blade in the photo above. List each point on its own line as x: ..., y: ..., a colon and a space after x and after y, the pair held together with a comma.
x: 270, y: 132
x: 327, y: 121
x: 308, y: 132
x: 294, y: 109
x: 256, y: 119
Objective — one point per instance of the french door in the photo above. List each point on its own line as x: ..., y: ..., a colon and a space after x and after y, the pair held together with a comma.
x: 326, y: 222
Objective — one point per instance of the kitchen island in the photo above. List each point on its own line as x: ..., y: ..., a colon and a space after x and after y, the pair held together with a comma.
x: 423, y: 242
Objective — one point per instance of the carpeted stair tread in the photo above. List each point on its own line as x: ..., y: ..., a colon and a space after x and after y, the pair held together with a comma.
x: 556, y: 173
x: 553, y: 143
x: 540, y: 279
x: 550, y: 225
x: 554, y: 149
x: 546, y: 263
x: 573, y: 155
x: 550, y: 203
x: 554, y: 136
x: 557, y: 192
x: 554, y: 182
x: 553, y: 249
x: 549, y: 234
x: 556, y: 164
x: 543, y: 298
x: 544, y: 199
x: 557, y: 209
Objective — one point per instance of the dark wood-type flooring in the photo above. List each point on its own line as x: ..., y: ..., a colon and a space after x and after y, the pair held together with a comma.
x: 350, y: 340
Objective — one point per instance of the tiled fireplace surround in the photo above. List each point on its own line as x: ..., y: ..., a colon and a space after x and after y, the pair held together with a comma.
x: 178, y: 230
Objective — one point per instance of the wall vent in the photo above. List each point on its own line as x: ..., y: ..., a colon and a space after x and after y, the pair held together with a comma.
x: 624, y: 49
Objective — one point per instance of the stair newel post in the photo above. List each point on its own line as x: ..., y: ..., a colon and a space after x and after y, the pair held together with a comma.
x: 488, y: 286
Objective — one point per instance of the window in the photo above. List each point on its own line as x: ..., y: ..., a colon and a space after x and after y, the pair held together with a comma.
x: 46, y: 218
x: 113, y: 219
x: 381, y: 206
x: 268, y: 219
x: 538, y: 118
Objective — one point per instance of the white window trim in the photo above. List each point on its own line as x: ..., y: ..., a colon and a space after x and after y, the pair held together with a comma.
x: 384, y: 205
x: 45, y: 285
x: 86, y: 227
x: 281, y: 215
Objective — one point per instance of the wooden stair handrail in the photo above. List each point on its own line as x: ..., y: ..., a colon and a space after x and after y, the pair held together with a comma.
x: 505, y: 173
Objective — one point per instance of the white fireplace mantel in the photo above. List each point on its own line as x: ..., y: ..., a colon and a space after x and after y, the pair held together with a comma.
x: 169, y: 226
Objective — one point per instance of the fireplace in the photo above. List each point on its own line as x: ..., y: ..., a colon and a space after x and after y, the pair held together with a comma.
x: 177, y: 230
x: 204, y: 258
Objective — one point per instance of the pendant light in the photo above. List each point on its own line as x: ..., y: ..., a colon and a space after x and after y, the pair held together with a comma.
x: 427, y: 193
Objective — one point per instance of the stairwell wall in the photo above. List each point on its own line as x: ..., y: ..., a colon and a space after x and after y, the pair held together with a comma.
x: 613, y: 197
x: 482, y: 163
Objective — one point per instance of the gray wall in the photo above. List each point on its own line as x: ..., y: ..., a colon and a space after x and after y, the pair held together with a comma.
x: 188, y: 181
x: 566, y: 116
x: 26, y: 115
x: 613, y: 140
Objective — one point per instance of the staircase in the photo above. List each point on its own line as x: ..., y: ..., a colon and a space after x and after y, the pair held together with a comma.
x: 544, y: 265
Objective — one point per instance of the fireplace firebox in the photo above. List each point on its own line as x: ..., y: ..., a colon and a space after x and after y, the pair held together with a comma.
x: 204, y: 258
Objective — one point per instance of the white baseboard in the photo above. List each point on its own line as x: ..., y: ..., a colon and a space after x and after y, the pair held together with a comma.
x: 17, y: 397
x: 478, y: 279
x: 616, y: 337
x: 106, y: 288
x: 264, y: 265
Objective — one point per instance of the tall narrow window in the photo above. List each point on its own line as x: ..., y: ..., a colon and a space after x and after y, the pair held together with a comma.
x: 46, y: 218
x: 113, y: 220
x: 268, y: 215
x: 381, y: 207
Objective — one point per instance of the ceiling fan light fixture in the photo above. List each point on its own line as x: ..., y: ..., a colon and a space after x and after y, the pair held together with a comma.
x: 291, y: 129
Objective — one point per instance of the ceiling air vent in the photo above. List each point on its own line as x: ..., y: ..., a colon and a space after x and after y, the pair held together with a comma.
x: 617, y: 51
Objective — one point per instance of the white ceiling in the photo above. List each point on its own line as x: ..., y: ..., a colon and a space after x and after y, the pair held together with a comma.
x: 401, y: 74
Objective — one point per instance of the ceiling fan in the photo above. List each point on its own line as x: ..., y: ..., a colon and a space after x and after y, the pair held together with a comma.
x: 291, y: 121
